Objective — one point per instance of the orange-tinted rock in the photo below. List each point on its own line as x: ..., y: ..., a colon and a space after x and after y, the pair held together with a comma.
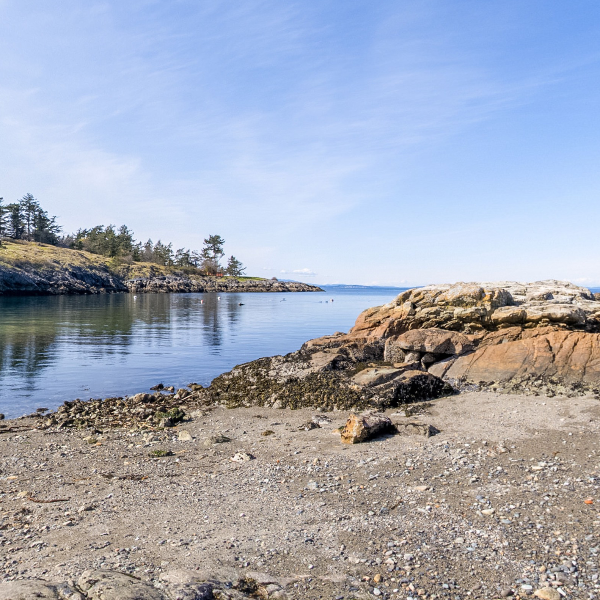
x: 360, y: 428
x: 572, y: 356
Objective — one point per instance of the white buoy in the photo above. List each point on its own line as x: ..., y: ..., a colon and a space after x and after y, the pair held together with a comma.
x: 218, y: 297
x: 135, y: 297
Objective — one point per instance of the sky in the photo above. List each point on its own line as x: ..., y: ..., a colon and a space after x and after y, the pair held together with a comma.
x: 395, y: 142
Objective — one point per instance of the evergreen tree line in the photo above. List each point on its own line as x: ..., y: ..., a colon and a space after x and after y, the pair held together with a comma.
x: 26, y: 220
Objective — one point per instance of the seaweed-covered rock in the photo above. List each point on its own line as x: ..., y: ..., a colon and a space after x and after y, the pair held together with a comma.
x: 323, y: 379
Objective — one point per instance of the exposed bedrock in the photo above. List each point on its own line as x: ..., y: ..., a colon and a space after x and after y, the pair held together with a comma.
x: 527, y: 337
x: 542, y: 336
x: 179, y: 284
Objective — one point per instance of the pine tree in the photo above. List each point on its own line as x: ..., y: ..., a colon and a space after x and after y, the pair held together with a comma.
x: 234, y: 267
x: 3, y: 219
x: 16, y: 225
x: 212, y: 253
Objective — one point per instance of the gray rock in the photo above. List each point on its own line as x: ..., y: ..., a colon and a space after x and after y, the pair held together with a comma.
x: 29, y: 590
x: 111, y: 585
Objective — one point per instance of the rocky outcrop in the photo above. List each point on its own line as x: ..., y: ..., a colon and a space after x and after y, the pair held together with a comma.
x: 179, y: 284
x: 542, y: 337
x: 62, y: 279
x: 114, y: 585
x: 538, y: 337
x: 97, y: 278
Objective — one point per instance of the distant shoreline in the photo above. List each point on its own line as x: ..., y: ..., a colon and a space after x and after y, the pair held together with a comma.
x: 31, y: 269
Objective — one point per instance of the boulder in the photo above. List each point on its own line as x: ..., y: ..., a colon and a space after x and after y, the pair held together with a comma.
x: 360, y: 428
x: 435, y: 341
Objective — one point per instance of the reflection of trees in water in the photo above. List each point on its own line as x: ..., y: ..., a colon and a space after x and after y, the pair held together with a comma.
x: 211, y: 330
x: 32, y: 328
x: 35, y: 330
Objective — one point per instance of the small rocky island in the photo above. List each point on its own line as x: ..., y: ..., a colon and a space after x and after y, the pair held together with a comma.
x: 445, y: 447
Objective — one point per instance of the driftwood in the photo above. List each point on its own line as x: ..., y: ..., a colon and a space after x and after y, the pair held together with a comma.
x: 47, y: 501
x: 360, y: 428
x: 16, y: 429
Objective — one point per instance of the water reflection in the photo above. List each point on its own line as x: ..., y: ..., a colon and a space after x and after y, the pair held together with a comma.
x: 58, y: 348
x: 38, y: 332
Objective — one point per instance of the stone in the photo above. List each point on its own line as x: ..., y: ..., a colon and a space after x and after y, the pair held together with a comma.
x: 416, y: 428
x: 184, y: 435
x: 28, y: 590
x: 308, y: 426
x: 217, y: 438
x: 111, y: 585
x: 547, y: 594
x: 242, y: 457
x: 360, y: 428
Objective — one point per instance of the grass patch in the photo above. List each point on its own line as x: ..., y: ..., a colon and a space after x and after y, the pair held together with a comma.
x: 160, y: 453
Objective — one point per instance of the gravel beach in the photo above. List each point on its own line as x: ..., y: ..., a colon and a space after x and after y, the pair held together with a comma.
x: 503, y: 501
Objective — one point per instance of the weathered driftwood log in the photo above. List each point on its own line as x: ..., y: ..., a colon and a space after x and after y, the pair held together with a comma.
x: 359, y: 428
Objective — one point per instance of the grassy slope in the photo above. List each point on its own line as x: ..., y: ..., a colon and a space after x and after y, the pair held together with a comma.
x: 34, y: 256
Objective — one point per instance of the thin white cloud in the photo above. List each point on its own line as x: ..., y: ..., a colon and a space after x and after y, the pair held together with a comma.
x: 304, y: 272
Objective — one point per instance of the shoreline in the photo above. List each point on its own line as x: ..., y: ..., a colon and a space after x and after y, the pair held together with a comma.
x: 249, y: 488
x: 32, y: 269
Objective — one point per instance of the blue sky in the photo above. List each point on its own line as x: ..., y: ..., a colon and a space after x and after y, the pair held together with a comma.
x: 389, y: 142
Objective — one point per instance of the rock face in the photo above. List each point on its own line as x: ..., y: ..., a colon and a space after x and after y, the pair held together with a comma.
x: 178, y: 284
x: 542, y: 336
x: 92, y: 278
x: 113, y: 585
x: 28, y: 280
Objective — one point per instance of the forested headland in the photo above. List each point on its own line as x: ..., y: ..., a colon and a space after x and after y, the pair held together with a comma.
x: 26, y: 220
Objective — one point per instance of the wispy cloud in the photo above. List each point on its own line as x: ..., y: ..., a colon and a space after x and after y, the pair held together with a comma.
x: 303, y: 272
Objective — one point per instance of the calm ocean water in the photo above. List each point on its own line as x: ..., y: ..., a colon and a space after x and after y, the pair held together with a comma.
x: 54, y: 349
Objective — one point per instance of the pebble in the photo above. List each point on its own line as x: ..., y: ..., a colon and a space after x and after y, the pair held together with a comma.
x: 184, y: 436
